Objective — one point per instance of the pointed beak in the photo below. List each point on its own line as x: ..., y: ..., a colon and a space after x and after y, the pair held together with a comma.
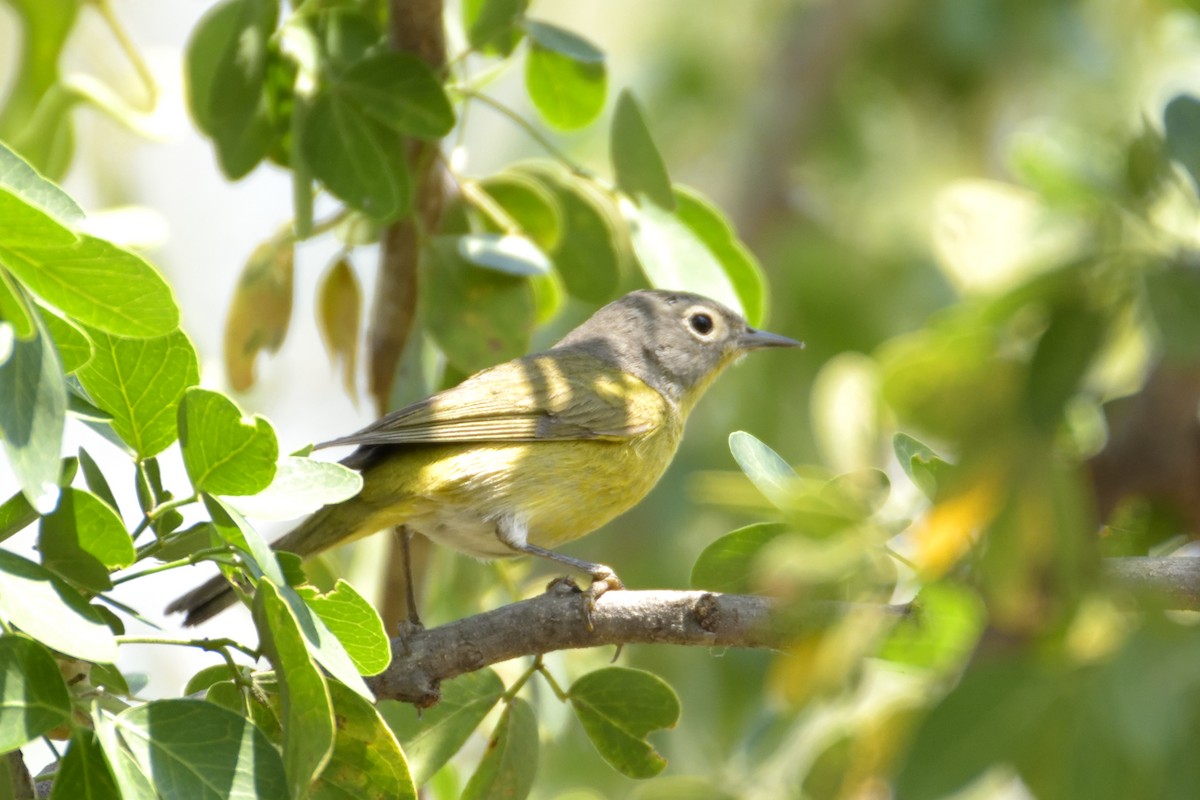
x: 756, y: 340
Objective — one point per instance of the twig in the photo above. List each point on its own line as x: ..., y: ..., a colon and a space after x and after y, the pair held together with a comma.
x: 422, y: 659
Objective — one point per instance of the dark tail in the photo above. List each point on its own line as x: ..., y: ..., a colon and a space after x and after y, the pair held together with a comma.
x: 325, y: 528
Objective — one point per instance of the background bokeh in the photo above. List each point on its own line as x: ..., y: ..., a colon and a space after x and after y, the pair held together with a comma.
x: 891, y: 164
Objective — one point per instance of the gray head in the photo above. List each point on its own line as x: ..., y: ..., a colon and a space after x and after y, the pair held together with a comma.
x: 676, y: 342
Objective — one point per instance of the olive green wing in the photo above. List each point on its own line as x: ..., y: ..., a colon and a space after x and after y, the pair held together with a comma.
x: 546, y: 397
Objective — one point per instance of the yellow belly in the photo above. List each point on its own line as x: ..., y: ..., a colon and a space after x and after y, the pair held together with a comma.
x: 560, y: 490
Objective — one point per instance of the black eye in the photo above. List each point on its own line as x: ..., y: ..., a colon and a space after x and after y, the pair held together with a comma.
x: 701, y: 323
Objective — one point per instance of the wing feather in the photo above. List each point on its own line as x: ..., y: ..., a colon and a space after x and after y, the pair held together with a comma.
x: 558, y: 395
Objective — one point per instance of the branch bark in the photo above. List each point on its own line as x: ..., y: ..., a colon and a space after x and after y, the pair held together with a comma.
x: 556, y: 620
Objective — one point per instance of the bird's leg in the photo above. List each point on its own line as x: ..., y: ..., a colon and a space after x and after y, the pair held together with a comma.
x: 513, y: 532
x: 410, y: 593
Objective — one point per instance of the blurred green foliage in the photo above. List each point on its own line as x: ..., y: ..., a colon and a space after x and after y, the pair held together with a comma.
x: 981, y: 216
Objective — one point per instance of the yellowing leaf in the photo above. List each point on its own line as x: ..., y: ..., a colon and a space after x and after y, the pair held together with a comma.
x: 952, y: 526
x: 261, y: 309
x: 339, y: 311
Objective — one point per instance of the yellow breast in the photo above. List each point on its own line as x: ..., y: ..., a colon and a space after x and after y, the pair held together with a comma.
x: 561, y: 490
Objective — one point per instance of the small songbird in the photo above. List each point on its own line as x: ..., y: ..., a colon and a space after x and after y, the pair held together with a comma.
x: 535, y: 452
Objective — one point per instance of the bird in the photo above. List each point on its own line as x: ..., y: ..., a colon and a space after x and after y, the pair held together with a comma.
x: 535, y: 452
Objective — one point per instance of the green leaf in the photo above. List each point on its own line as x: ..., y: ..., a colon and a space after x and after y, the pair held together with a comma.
x: 33, y: 407
x: 300, y: 487
x: 356, y: 158
x: 920, y: 463
x: 226, y: 72
x: 33, y: 695
x: 98, y: 284
x: 1173, y: 294
x: 618, y: 707
x: 529, y: 204
x: 96, y: 482
x: 367, y: 761
x: 1181, y: 119
x: 73, y: 345
x: 984, y: 720
x: 507, y: 253
x: 133, y: 783
x: 674, y: 255
x: 15, y: 312
x: 1062, y: 358
x: 941, y: 630
x: 223, y: 454
x: 140, y: 382
x: 49, y: 610
x: 356, y: 624
x: 637, y: 164
x: 432, y: 736
x: 83, y: 771
x: 742, y: 269
x: 770, y: 474
x: 399, y: 91
x: 26, y: 225
x: 24, y: 181
x: 492, y: 25
x: 509, y: 763
x: 569, y: 94
x: 84, y: 539
x: 16, y: 514
x: 478, y: 317
x: 308, y: 724
x: 321, y: 642
x: 728, y: 564
x: 561, y: 40
x: 588, y: 255
x: 196, y: 750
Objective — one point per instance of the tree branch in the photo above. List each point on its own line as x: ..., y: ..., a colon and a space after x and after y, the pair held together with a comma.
x: 556, y: 620
x: 1173, y: 583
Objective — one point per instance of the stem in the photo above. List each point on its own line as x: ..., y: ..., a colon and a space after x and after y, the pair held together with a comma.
x: 477, y: 196
x: 208, y: 645
x: 131, y: 52
x: 521, y: 681
x: 530, y: 130
x: 163, y: 508
x: 194, y: 558
x: 554, y: 687
x: 901, y: 559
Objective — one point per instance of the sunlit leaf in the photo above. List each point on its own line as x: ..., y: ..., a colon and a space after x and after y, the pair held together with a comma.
x: 84, y: 539
x: 140, y: 383
x: 195, y: 749
x: 356, y: 624
x: 307, y: 711
x: 49, y: 610
x: 222, y: 453
x: 33, y: 696
x: 300, y: 487
x: 98, y: 284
